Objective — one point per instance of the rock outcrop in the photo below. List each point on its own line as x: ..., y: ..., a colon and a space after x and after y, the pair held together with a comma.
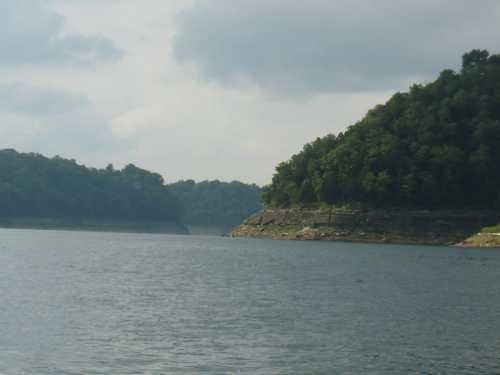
x: 384, y: 226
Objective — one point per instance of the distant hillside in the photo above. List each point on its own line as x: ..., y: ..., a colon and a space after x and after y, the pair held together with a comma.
x: 217, y: 203
x: 437, y: 146
x: 32, y: 185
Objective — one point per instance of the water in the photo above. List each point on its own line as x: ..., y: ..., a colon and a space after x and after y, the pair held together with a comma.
x: 104, y: 303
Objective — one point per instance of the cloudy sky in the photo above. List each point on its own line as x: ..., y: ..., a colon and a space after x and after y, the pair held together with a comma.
x: 215, y: 89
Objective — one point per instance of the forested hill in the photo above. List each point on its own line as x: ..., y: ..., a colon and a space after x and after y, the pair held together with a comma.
x: 436, y: 146
x: 213, y: 203
x: 32, y: 185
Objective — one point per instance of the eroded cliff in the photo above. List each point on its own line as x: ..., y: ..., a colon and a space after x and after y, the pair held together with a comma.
x: 386, y: 226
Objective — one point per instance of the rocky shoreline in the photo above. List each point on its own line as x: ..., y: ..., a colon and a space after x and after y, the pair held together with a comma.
x: 459, y: 228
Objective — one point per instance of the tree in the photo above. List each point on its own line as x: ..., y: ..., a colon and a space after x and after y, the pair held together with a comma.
x: 437, y: 146
x: 32, y: 185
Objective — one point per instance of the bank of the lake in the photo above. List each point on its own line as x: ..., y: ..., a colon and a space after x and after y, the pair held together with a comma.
x: 95, y: 225
x: 378, y: 226
x: 488, y: 237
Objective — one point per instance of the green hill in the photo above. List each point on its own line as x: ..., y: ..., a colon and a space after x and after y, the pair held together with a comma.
x: 216, y: 203
x: 33, y: 186
x: 436, y: 146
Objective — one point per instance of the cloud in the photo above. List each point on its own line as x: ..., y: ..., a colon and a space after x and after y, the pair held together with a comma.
x: 38, y: 101
x: 293, y: 46
x: 54, y: 121
x: 79, y: 133
x: 32, y: 34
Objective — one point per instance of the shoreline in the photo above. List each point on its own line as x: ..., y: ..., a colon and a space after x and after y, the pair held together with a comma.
x: 93, y: 225
x: 416, y: 227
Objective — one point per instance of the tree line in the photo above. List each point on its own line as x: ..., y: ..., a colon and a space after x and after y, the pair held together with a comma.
x: 32, y: 185
x: 436, y: 146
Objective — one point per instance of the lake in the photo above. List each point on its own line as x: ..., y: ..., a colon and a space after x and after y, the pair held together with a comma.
x: 115, y: 303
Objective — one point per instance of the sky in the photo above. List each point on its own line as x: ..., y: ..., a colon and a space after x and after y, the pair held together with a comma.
x: 215, y: 89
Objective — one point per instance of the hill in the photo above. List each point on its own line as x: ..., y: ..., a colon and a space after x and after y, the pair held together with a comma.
x: 216, y: 203
x: 435, y: 147
x: 34, y: 186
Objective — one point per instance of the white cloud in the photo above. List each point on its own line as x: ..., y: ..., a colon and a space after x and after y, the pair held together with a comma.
x: 34, y: 100
x: 31, y: 34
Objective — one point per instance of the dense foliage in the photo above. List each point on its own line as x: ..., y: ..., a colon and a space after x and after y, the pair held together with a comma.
x: 32, y: 185
x: 437, y: 146
x: 217, y: 203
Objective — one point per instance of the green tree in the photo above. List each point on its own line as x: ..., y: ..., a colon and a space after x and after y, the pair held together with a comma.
x: 437, y: 146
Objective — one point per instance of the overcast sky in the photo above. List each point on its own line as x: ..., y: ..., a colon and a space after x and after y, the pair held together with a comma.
x: 215, y: 89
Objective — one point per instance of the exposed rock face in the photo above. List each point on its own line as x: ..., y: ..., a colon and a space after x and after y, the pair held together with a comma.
x: 391, y: 226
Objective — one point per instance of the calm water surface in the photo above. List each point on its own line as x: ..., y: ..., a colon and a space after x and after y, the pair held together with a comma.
x: 97, y: 303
